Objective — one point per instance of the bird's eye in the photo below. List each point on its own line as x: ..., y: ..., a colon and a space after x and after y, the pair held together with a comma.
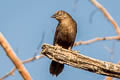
x: 60, y: 13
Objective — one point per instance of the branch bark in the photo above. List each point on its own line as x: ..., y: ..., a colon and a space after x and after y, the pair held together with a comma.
x: 16, y: 61
x: 77, y: 60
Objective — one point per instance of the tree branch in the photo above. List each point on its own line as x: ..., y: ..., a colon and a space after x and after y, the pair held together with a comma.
x: 96, y: 39
x: 16, y: 61
x: 80, y: 61
x: 24, y: 62
x: 107, y: 15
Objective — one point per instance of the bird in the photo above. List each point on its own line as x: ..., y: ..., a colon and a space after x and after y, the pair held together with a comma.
x: 64, y: 37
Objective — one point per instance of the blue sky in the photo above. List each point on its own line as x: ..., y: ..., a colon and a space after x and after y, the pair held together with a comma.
x: 23, y: 22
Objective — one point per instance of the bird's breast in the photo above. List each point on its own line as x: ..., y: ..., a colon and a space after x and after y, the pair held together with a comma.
x: 67, y: 33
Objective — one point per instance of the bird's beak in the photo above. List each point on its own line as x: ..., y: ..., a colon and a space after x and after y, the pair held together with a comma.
x: 53, y: 16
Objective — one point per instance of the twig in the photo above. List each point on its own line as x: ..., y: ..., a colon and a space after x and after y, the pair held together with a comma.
x: 92, y: 15
x: 77, y: 60
x: 108, y: 78
x: 107, y: 15
x: 24, y: 62
x: 33, y: 59
x: 39, y: 45
x: 111, y: 51
x: 96, y: 39
x: 16, y: 61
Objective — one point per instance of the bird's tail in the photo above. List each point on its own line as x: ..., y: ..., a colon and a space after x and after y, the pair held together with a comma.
x: 56, y: 68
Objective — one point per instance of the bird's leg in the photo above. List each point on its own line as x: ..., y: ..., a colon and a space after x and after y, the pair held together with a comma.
x: 58, y: 45
x: 70, y: 48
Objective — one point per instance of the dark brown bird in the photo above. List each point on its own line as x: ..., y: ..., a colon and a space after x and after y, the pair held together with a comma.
x: 64, y: 36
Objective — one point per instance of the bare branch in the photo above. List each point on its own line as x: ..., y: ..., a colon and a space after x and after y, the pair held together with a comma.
x: 16, y: 61
x: 107, y: 15
x: 92, y: 15
x: 96, y: 39
x: 80, y: 61
x: 108, y: 78
x: 24, y: 62
x: 8, y: 74
x: 33, y: 59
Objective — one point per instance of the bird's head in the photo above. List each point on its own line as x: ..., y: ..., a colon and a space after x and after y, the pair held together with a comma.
x: 60, y: 15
